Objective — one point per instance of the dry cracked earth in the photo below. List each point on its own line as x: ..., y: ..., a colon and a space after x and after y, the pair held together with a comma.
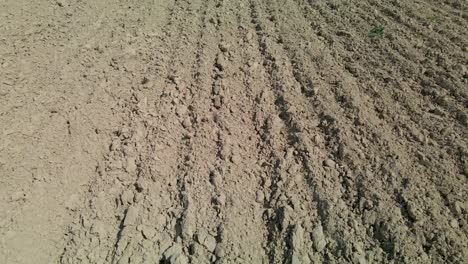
x: 250, y: 131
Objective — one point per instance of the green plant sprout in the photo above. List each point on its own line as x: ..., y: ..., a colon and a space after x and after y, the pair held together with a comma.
x: 377, y: 31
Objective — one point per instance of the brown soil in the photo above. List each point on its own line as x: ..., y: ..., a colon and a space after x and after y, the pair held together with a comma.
x: 250, y: 131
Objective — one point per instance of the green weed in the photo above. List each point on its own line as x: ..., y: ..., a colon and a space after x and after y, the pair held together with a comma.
x: 377, y: 31
x: 432, y: 18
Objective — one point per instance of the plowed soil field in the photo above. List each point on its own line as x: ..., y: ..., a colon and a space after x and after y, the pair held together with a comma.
x: 249, y: 131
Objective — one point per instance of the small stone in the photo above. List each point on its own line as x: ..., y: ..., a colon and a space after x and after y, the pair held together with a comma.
x: 138, y: 197
x: 5, y: 92
x: 210, y: 243
x: 295, y: 202
x: 187, y: 230
x: 329, y: 163
x: 216, y: 89
x: 181, y: 110
x: 462, y: 117
x: 131, y: 165
x: 287, y: 211
x: 436, y: 111
x: 297, y: 238
x: 217, y: 102
x: 221, y: 63
x: 131, y: 216
x: 424, y: 258
x: 179, y: 259
x: 165, y: 242
x: 182, y: 85
x: 219, y: 251
x: 358, y: 258
x: 368, y: 204
x: 221, y: 199
x: 442, y: 101
x: 281, y: 197
x: 260, y: 197
x: 141, y: 185
x: 125, y: 132
x: 252, y: 64
x: 298, y: 178
x: 341, y: 151
x: 127, y: 197
x: 216, y: 178
x: 174, y: 251
x: 116, y: 144
x: 187, y: 123
x: 418, y: 136
x: 319, y: 238
x: 207, y: 240
x: 236, y: 158
x: 352, y: 68
x: 454, y: 223
x: 295, y: 259
x: 201, y: 236
x: 274, y: 124
x: 148, y: 232
x: 456, y: 206
x: 460, y: 68
x: 224, y: 47
x: 249, y: 36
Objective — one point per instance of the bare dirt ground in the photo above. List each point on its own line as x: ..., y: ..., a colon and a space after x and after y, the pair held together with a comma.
x: 250, y: 131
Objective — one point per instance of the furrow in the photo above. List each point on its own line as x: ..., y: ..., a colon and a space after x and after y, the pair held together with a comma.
x: 400, y: 151
x: 139, y: 187
x: 417, y: 126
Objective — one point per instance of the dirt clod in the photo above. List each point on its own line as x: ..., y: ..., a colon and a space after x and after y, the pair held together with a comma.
x: 187, y: 123
x: 318, y: 238
x: 131, y: 216
x: 329, y: 163
x: 224, y: 47
x: 148, y: 232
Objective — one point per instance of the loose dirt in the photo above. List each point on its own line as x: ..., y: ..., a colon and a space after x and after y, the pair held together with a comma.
x: 250, y: 131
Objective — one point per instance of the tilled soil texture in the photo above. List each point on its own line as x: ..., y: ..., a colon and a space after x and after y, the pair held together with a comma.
x: 250, y: 131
